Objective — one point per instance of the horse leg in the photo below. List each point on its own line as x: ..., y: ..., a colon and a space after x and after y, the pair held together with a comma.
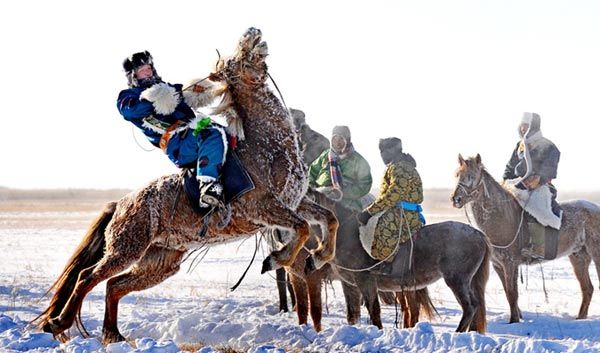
x: 125, y: 244
x: 314, y: 283
x: 313, y: 212
x: 368, y: 288
x: 155, y: 266
x: 301, y: 294
x: 278, y: 215
x: 353, y: 297
x: 88, y: 278
x: 509, y: 283
x: 412, y: 308
x: 281, y: 289
x: 464, y: 296
x: 581, y: 262
x: 290, y: 289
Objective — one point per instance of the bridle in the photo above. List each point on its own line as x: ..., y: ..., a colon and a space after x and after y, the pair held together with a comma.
x: 476, y: 189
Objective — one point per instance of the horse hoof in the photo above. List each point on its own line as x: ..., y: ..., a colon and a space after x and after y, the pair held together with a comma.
x: 112, y: 337
x: 309, y: 265
x: 52, y: 326
x: 268, y: 265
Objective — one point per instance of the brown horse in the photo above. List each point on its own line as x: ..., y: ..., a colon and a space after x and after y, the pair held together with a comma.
x: 147, y: 233
x: 500, y: 217
x: 454, y: 251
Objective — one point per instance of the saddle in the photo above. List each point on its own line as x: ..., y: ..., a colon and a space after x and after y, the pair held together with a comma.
x: 236, y: 182
x: 541, y: 222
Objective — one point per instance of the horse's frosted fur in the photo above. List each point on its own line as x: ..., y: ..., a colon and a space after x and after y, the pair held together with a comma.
x: 150, y: 231
x: 499, y: 216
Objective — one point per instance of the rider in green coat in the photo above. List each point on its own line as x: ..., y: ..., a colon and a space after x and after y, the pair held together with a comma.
x: 340, y: 172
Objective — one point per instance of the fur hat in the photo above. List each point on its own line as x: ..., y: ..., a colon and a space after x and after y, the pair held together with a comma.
x: 342, y: 131
x: 137, y: 60
x: 390, y: 143
x: 134, y: 62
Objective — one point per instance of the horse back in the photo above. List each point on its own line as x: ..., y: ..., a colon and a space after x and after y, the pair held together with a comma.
x: 454, y: 246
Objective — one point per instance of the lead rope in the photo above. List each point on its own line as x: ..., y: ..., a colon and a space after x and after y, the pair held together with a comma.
x: 393, y: 253
x: 250, y: 264
x: 487, y: 195
x: 138, y: 143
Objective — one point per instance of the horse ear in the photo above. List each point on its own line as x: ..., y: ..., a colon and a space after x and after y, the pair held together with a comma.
x: 461, y: 160
x: 478, y: 159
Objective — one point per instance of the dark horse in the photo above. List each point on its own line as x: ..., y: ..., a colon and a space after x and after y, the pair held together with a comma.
x: 307, y: 287
x: 141, y: 240
x: 454, y: 251
x: 500, y: 217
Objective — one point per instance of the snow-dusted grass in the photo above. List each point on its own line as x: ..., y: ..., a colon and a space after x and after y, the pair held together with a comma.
x: 196, y: 310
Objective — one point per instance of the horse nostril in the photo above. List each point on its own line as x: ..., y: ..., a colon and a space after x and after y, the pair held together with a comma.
x: 457, y: 199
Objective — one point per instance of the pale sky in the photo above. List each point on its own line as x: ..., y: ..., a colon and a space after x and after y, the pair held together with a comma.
x: 446, y: 77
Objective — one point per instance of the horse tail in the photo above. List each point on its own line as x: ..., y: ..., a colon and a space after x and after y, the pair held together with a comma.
x: 88, y: 253
x: 388, y: 298
x: 478, y: 284
x: 426, y: 304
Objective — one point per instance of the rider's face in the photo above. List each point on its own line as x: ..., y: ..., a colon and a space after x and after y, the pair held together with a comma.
x: 338, y: 143
x: 143, y: 72
x: 523, y: 129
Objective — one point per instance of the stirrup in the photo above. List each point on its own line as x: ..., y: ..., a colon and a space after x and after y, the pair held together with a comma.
x: 530, y: 253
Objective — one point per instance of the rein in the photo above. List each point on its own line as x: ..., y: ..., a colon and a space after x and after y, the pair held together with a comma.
x: 487, y: 195
x: 392, y: 254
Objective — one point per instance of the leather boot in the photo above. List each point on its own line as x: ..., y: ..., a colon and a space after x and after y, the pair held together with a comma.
x: 211, y: 194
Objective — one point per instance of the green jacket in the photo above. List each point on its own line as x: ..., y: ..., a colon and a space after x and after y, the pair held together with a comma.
x: 356, y: 176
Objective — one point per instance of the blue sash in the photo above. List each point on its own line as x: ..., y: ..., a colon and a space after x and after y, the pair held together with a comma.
x: 413, y: 207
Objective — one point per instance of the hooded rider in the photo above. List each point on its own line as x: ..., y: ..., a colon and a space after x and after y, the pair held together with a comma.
x: 340, y: 172
x: 165, y: 114
x: 534, y: 160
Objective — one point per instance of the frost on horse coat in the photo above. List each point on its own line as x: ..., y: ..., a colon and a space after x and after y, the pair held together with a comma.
x: 142, y: 239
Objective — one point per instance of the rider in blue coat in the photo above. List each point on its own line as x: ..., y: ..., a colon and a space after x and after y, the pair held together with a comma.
x: 164, y: 112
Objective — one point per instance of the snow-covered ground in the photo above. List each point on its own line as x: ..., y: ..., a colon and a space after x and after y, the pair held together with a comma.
x: 195, y: 310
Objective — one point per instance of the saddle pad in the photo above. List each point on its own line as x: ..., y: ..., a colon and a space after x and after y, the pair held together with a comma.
x: 538, y: 203
x: 367, y: 233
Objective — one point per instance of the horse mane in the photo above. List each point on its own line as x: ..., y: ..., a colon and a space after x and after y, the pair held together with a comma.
x: 497, y: 198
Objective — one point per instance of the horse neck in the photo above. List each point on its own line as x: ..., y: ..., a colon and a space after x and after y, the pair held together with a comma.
x: 494, y: 208
x: 255, y: 102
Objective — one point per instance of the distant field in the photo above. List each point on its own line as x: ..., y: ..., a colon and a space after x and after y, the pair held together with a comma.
x: 92, y: 199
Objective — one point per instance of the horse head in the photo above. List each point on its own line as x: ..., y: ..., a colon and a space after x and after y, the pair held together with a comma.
x: 245, y: 70
x: 469, y: 178
x: 247, y: 65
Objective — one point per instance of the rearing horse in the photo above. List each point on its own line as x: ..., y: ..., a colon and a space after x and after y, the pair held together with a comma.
x: 499, y: 216
x: 147, y: 237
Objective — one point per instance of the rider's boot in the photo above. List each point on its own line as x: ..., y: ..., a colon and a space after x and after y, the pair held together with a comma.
x: 211, y: 194
x: 536, y: 248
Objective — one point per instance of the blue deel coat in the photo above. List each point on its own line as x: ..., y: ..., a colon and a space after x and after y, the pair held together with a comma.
x: 135, y: 110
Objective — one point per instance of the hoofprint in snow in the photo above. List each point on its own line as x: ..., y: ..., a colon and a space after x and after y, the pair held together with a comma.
x: 195, y: 309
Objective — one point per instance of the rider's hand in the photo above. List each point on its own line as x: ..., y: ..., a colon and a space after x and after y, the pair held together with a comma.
x: 532, y: 182
x: 335, y: 195
x: 363, y: 217
x: 198, y: 88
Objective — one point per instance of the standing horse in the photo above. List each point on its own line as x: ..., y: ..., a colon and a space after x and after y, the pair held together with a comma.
x: 147, y: 233
x: 307, y: 288
x: 454, y: 251
x: 500, y: 217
